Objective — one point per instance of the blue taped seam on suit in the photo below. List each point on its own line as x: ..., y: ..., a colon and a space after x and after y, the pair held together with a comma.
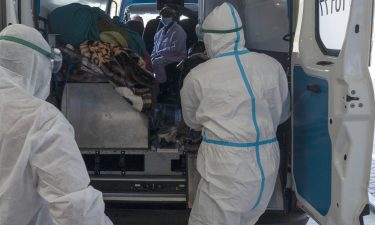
x: 239, y: 145
x: 243, y: 52
x: 250, y: 91
x: 235, y: 25
x: 248, y: 87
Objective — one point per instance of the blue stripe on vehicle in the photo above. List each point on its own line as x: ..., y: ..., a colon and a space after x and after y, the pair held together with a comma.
x: 250, y: 91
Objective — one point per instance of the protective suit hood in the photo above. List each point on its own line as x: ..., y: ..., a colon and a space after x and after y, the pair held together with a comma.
x: 31, y: 71
x: 220, y: 31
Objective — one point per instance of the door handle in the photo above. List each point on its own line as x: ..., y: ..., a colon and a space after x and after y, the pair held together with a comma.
x: 314, y: 88
x: 351, y: 98
x: 324, y: 63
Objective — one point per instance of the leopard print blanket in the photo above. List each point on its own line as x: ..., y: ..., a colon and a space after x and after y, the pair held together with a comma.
x: 123, y: 67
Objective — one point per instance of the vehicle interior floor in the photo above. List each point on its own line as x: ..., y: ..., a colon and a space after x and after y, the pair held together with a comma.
x: 177, y: 215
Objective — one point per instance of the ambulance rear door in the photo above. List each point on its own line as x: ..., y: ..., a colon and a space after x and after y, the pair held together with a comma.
x: 333, y: 109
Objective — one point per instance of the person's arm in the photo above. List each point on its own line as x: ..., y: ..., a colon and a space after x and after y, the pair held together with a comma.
x: 154, y: 52
x: 191, y: 94
x: 177, y: 43
x: 62, y: 178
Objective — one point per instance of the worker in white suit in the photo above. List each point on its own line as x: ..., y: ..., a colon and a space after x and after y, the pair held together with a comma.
x: 237, y: 98
x: 43, y: 179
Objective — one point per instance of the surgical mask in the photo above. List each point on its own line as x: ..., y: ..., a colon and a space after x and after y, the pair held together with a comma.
x: 166, y: 21
x: 54, y: 55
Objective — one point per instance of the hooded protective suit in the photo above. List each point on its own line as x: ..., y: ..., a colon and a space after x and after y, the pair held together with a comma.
x: 238, y: 98
x: 43, y: 179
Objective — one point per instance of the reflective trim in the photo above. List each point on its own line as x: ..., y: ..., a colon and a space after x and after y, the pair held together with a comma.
x: 221, y: 31
x: 232, y: 10
x: 250, y: 91
x: 243, y: 52
x: 20, y: 41
x: 239, y: 145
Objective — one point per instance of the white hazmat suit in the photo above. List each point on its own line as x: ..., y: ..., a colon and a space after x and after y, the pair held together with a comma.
x: 238, y: 98
x: 43, y: 179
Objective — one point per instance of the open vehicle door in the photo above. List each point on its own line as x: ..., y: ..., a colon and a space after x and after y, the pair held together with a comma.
x: 333, y: 109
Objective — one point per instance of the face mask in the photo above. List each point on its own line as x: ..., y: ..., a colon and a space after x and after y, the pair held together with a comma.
x: 54, y: 55
x: 166, y: 21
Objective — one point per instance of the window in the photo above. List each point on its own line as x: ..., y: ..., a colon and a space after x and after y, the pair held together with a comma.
x: 332, y: 21
x: 48, y: 6
x: 149, y: 11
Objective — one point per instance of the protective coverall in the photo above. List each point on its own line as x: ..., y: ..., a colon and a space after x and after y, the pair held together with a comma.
x: 43, y: 179
x: 169, y: 47
x: 238, y: 98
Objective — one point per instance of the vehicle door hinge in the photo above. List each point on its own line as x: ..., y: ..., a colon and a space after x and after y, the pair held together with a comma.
x: 123, y: 163
x: 97, y: 163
